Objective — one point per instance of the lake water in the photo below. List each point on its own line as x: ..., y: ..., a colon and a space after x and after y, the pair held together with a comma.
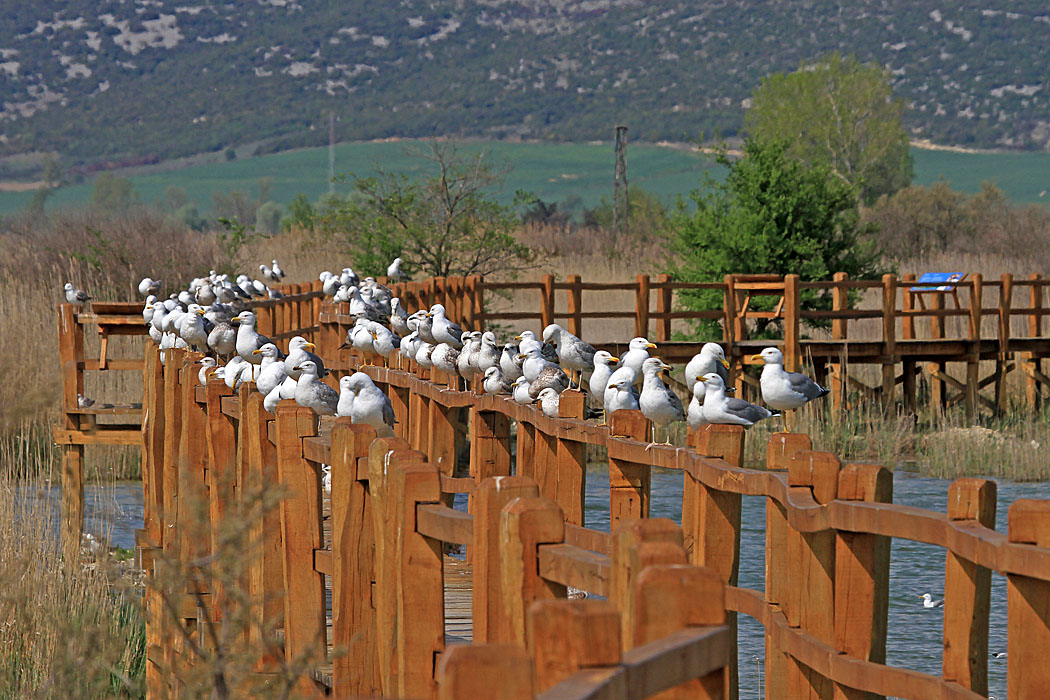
x: 914, y: 640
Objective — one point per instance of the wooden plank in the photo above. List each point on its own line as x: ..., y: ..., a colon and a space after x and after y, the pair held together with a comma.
x: 492, y: 671
x: 629, y: 483
x: 490, y: 497
x: 570, y: 471
x: 126, y: 436
x: 573, y: 566
x: 967, y: 591
x: 1028, y: 603
x: 641, y: 306
x: 566, y: 636
x: 525, y: 524
x: 637, y: 544
x: 444, y: 524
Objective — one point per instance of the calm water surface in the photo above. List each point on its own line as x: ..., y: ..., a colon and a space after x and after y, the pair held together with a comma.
x: 914, y: 642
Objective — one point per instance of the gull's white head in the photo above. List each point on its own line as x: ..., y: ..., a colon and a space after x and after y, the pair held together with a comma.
x: 654, y: 365
x: 640, y: 344
x: 771, y: 356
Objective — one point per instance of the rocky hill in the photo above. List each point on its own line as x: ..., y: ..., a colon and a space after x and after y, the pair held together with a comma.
x: 141, y: 80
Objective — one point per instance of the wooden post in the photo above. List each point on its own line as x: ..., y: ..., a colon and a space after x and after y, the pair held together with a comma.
x: 670, y: 598
x: 266, y: 575
x: 908, y: 333
x: 152, y: 445
x: 490, y: 497
x: 792, y: 311
x: 938, y: 388
x: 711, y: 522
x: 544, y: 464
x: 304, y: 603
x: 571, y: 461
x: 491, y: 671
x: 779, y: 452
x: 71, y: 352
x: 525, y: 454
x: 353, y: 618
x: 219, y: 438
x: 973, y: 362
x: 636, y: 545
x: 839, y: 331
x: 489, y: 445
x: 663, y: 306
x: 641, y: 307
x: 479, y: 303
x: 420, y: 610
x: 1033, y: 364
x: 1028, y: 627
x: 525, y: 524
x: 441, y: 450
x: 814, y: 565
x: 629, y: 483
x: 547, y: 301
x: 400, y: 400
x: 567, y: 636
x: 575, y: 294
x: 1002, y: 362
x: 862, y: 576
x: 967, y: 591
x: 889, y: 341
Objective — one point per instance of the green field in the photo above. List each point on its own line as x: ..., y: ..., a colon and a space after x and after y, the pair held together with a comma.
x: 554, y: 172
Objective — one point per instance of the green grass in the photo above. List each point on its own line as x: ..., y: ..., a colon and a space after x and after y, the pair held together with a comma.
x: 554, y: 172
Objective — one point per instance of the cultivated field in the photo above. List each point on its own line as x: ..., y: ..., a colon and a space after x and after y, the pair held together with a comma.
x: 554, y: 172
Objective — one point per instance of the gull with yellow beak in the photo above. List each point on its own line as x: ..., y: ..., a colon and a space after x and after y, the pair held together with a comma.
x: 273, y: 372
x: 721, y: 409
x: 711, y: 358
x: 298, y: 352
x: 783, y: 390
x: 657, y: 401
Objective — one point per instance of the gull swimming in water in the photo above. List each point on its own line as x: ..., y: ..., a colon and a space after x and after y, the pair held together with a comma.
x: 785, y: 391
x: 929, y: 602
x: 311, y: 392
x: 721, y: 409
x: 657, y: 402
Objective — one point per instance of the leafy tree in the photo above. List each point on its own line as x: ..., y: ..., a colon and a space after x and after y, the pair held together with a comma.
x: 840, y: 112
x: 772, y: 214
x: 268, y: 217
x: 446, y: 224
x: 301, y: 214
x: 646, y: 215
x: 112, y: 193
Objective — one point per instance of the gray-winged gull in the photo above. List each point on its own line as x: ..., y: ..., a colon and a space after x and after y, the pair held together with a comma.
x: 657, y: 402
x: 620, y: 395
x: 521, y: 391
x: 720, y: 409
x: 248, y: 339
x: 345, y: 406
x: 207, y: 364
x: 393, y: 271
x: 445, y: 331
x: 76, y: 296
x: 573, y: 353
x: 311, y: 392
x: 298, y: 352
x: 929, y: 602
x: 549, y: 401
x: 694, y: 413
x: 711, y: 358
x: 782, y: 390
x: 603, y: 369
x: 272, y: 373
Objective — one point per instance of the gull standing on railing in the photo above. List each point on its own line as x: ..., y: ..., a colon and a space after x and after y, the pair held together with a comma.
x: 549, y: 401
x: 657, y: 402
x: 721, y: 409
x: 345, y: 406
x: 248, y: 340
x: 573, y: 353
x: 298, y: 352
x: 782, y: 390
x: 445, y: 331
x: 76, y: 296
x: 311, y: 392
x: 393, y: 271
x: 711, y: 358
x: 273, y: 372
x: 542, y: 373
x: 371, y: 406
x: 149, y: 286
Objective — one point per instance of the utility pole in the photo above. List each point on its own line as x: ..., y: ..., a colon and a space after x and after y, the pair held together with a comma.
x: 331, y: 153
x: 620, y: 183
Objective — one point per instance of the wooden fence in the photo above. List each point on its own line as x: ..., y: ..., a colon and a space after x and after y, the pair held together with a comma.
x: 828, y: 526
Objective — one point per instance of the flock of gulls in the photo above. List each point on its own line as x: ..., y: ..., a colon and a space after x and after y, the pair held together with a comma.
x: 210, y: 316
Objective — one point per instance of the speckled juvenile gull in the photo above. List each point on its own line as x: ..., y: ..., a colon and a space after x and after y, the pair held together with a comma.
x: 494, y: 383
x: 720, y: 409
x: 445, y: 358
x: 657, y: 402
x: 311, y: 392
x: 551, y: 377
x: 782, y: 390
x: 223, y: 339
x: 711, y: 358
x: 398, y: 318
x: 549, y: 402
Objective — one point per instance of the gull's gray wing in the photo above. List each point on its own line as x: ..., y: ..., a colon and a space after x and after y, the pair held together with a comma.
x: 676, y: 403
x: 746, y: 411
x: 388, y: 414
x: 802, y: 384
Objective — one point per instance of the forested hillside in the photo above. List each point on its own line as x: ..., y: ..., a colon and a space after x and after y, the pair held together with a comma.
x: 142, y: 80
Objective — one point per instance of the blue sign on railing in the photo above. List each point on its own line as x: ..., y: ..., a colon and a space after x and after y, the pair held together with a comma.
x: 938, y: 281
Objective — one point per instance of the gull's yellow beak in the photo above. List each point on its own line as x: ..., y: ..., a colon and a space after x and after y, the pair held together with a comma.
x: 650, y: 345
x: 613, y: 359
x: 517, y: 337
x: 213, y: 372
x: 257, y: 352
x: 520, y: 357
x: 699, y: 379
x: 725, y: 363
x: 309, y: 346
x: 430, y: 315
x: 200, y: 312
x: 756, y: 358
x: 296, y: 368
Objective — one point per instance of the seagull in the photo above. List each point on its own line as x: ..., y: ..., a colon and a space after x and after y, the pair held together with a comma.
x: 509, y: 364
x: 268, y: 275
x: 549, y: 401
x: 445, y: 358
x: 527, y: 340
x: 573, y: 353
x: 785, y: 391
x: 277, y: 271
x: 489, y: 353
x: 620, y: 395
x: 695, y: 411
x: 398, y: 318
x: 248, y: 340
x: 445, y: 331
x: 494, y: 383
x: 371, y: 406
x: 711, y: 358
x: 998, y: 654
x: 149, y: 286
x: 272, y: 373
x: 657, y: 402
x: 603, y: 369
x: 313, y: 393
x: 720, y: 409
x: 346, y: 398
x: 326, y: 478
x: 84, y: 402
x: 929, y: 602
x: 521, y: 391
x: 207, y: 364
x: 298, y: 351
x: 223, y: 339
x: 621, y: 375
x: 76, y: 296
x: 393, y: 271
x: 637, y: 353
